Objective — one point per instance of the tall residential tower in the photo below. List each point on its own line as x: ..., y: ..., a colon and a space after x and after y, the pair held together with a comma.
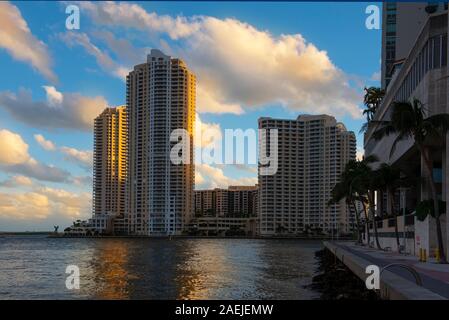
x: 160, y: 95
x: 312, y: 153
x: 110, y: 161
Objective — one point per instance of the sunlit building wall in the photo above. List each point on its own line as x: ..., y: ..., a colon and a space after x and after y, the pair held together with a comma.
x: 161, y: 98
x: 110, y: 161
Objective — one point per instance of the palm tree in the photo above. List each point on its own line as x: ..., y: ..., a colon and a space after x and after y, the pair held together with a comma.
x: 372, y: 99
x: 365, y: 182
x: 389, y: 179
x: 408, y: 120
x: 352, y: 187
x: 364, y: 200
x: 341, y: 191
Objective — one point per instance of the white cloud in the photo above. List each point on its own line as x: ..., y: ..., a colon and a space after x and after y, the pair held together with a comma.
x: 74, y: 111
x: 206, y: 133
x: 16, y: 38
x: 82, y: 181
x: 359, y: 154
x: 54, y: 97
x: 103, y: 59
x: 82, y: 157
x: 121, y: 47
x: 13, y: 149
x: 46, y: 144
x: 67, y: 203
x: 207, y: 176
x: 239, y: 66
x: 44, y: 202
x: 253, y: 68
x: 242, y: 167
x: 15, y: 158
x: 134, y: 16
x: 208, y: 101
x: 24, y: 206
x: 17, y: 181
x: 376, y: 76
x: 40, y: 171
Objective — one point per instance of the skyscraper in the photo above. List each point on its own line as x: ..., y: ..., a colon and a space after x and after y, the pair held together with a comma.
x: 401, y: 24
x: 161, y: 98
x: 312, y: 153
x: 422, y: 75
x: 110, y: 161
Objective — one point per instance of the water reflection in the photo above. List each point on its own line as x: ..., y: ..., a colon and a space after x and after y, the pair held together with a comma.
x: 111, y: 272
x: 201, y: 263
x: 157, y: 268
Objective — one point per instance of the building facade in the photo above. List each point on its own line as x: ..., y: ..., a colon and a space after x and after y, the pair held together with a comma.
x: 160, y: 96
x: 401, y: 24
x: 421, y: 74
x: 110, y: 162
x: 312, y: 153
x: 236, y: 201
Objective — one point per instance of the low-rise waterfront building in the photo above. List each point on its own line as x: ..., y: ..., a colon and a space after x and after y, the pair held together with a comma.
x: 223, y: 226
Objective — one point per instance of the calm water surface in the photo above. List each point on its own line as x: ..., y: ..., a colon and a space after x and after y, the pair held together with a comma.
x: 33, y: 267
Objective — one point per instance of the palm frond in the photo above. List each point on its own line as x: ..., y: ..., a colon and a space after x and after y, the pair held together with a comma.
x: 384, y: 131
x: 370, y: 159
x: 400, y: 137
x: 364, y: 127
x: 440, y: 122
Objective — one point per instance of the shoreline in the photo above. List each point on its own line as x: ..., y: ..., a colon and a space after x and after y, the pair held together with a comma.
x: 191, y: 237
x: 335, y: 281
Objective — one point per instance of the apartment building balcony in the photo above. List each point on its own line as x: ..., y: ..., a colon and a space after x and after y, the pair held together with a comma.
x: 423, y: 75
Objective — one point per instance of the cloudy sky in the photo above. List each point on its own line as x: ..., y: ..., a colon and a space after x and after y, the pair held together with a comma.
x: 251, y: 60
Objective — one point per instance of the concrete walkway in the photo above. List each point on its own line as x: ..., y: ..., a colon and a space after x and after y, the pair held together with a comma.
x: 435, y: 277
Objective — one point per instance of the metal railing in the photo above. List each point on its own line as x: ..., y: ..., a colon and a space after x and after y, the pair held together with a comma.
x: 406, y: 267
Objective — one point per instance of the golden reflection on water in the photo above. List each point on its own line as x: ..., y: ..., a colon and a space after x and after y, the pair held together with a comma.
x: 202, y: 264
x: 111, y: 272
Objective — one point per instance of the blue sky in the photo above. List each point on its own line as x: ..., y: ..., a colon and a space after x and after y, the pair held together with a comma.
x: 333, y: 56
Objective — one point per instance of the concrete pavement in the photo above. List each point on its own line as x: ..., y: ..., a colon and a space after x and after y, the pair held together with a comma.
x: 434, y: 276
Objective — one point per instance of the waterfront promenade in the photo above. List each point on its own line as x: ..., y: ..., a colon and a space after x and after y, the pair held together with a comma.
x: 398, y: 282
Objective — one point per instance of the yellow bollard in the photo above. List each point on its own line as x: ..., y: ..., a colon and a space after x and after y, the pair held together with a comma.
x: 424, y: 255
x: 437, y: 254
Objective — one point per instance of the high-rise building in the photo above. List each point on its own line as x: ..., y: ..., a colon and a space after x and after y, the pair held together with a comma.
x: 110, y: 162
x: 401, y: 24
x: 160, y: 96
x: 422, y: 74
x: 312, y: 152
